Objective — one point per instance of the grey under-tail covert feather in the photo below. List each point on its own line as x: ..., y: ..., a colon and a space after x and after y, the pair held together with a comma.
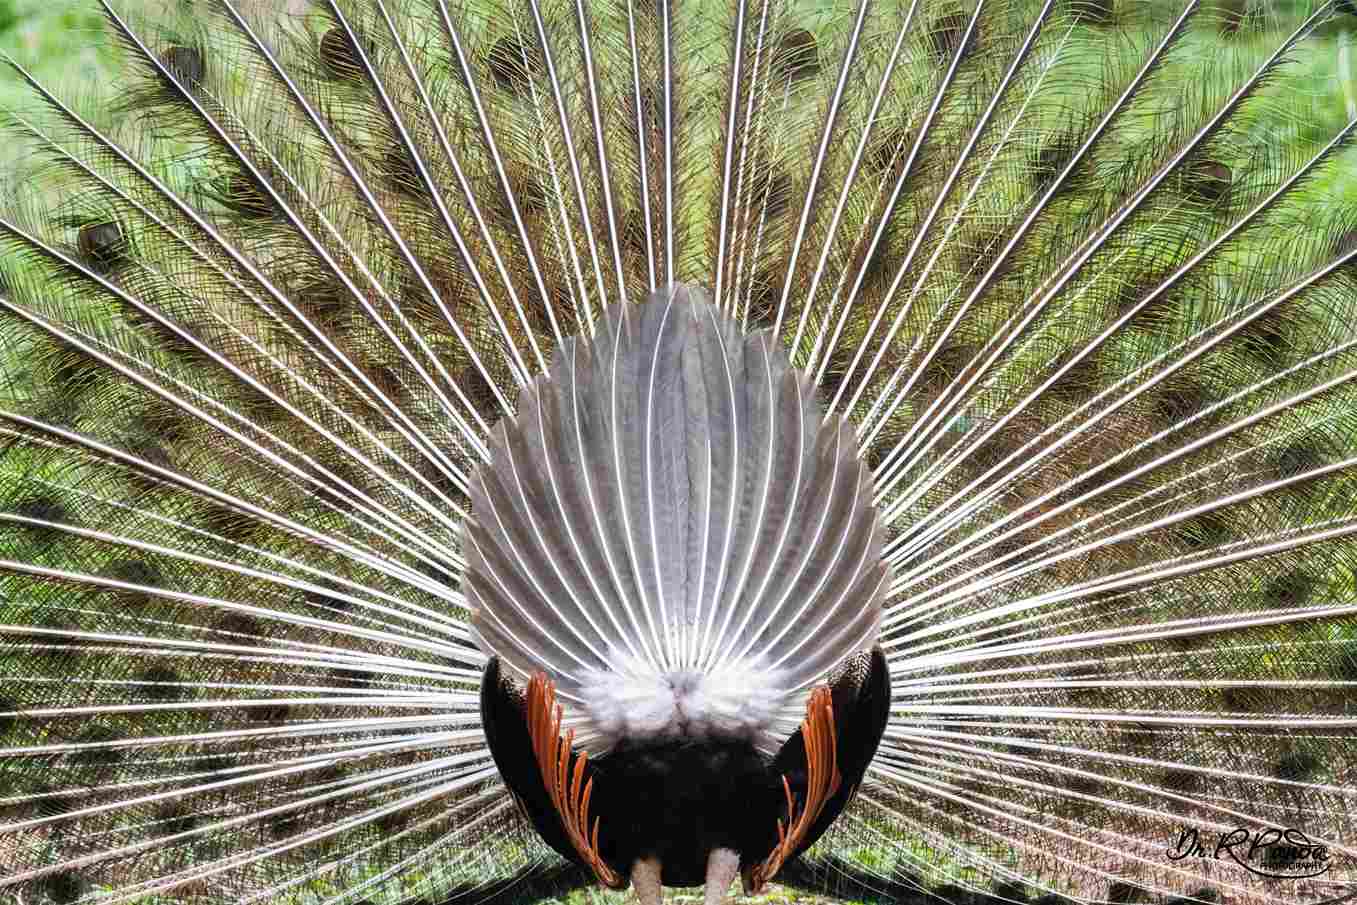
x: 462, y: 451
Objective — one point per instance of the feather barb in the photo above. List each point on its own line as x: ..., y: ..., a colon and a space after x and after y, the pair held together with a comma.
x: 822, y: 781
x: 570, y: 793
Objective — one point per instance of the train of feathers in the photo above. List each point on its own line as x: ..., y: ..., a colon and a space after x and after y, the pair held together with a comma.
x: 471, y: 450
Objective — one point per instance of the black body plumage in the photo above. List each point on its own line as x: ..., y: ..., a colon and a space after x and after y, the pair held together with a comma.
x: 679, y: 800
x: 465, y: 450
x: 674, y: 803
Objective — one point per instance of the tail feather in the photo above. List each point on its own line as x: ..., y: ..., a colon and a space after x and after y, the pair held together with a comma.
x: 671, y: 496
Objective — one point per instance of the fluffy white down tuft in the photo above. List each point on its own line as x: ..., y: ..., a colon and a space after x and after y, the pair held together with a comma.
x: 647, y: 706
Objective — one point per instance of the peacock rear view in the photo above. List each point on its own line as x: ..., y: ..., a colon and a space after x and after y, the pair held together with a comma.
x: 464, y: 451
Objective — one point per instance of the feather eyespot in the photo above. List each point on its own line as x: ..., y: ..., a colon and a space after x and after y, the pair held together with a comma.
x: 513, y: 64
x: 1092, y: 12
x: 339, y: 56
x: 798, y: 55
x: 185, y: 64
x: 102, y: 245
x: 946, y: 35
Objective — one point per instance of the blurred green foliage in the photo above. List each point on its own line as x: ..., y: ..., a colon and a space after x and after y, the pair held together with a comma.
x: 9, y: 15
x: 62, y: 43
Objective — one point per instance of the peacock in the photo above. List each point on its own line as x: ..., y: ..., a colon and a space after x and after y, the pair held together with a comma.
x: 477, y: 450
